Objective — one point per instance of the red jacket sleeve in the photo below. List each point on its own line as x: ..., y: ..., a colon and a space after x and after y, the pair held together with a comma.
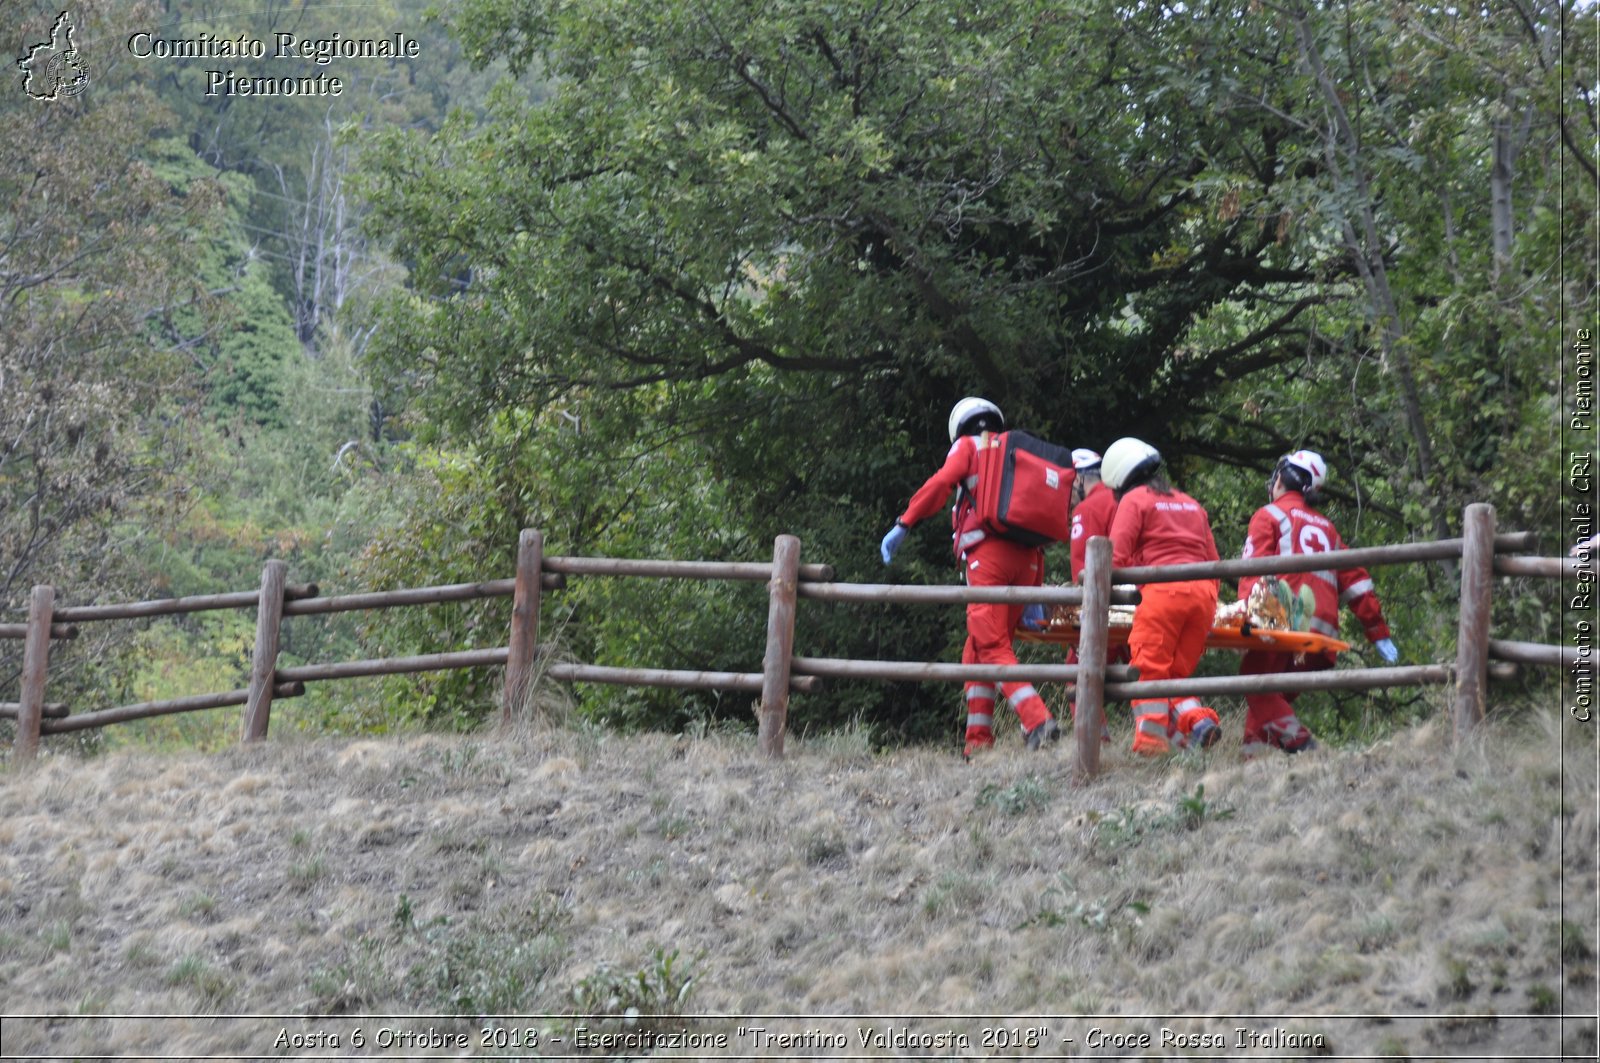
x: 1356, y: 591
x: 931, y: 496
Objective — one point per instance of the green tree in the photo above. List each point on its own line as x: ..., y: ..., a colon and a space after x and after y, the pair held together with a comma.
x: 838, y: 220
x: 461, y: 508
x: 96, y: 247
x: 809, y: 231
x: 164, y: 426
x: 294, y: 149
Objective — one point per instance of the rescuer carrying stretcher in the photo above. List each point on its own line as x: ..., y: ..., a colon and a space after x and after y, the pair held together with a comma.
x: 992, y: 555
x: 1290, y: 524
x: 1284, y: 623
x: 1094, y: 506
x: 1156, y: 524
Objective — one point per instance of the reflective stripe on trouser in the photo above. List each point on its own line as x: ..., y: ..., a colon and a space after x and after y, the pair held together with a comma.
x: 980, y: 712
x: 1156, y: 723
x: 1023, y: 698
x: 1262, y: 710
x: 1152, y: 726
x: 1189, y: 712
x: 1000, y: 563
x: 1286, y: 733
x: 1168, y: 636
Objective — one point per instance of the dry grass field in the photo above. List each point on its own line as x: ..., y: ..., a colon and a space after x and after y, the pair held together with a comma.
x: 343, y: 898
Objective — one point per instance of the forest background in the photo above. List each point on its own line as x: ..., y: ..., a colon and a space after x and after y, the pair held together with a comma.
x: 667, y: 279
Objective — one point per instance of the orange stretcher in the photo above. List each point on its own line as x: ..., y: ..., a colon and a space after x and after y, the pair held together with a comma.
x: 1222, y: 637
x: 1267, y: 621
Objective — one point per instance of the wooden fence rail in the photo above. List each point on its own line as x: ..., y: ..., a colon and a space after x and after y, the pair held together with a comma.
x: 1534, y: 653
x: 455, y: 592
x: 1363, y: 557
x: 149, y: 709
x: 20, y: 631
x: 10, y: 709
x: 198, y: 603
x: 1481, y: 551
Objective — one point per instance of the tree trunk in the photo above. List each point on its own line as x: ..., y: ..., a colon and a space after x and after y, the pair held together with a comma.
x: 1366, y: 248
x: 1500, y: 198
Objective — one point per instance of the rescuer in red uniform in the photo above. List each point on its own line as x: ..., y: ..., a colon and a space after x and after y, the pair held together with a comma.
x: 1156, y: 524
x: 1095, y: 505
x: 986, y: 561
x: 1290, y: 524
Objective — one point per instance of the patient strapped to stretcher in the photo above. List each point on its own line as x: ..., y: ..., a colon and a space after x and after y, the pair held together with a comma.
x: 1271, y: 618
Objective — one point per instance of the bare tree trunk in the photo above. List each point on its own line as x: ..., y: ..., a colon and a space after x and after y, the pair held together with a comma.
x: 1510, y: 137
x: 1500, y: 172
x: 1366, y: 248
x: 1448, y: 210
x: 326, y: 244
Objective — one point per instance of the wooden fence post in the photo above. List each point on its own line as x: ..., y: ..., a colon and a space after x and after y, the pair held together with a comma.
x: 1093, y: 621
x: 524, y: 622
x: 1472, y: 640
x: 264, y: 665
x: 782, y: 594
x: 35, y: 666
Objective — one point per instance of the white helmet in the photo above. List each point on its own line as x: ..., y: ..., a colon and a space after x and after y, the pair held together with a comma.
x: 1310, y: 463
x: 1124, y: 458
x: 967, y: 409
x: 1084, y: 459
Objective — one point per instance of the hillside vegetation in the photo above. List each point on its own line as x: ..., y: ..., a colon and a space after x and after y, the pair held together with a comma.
x: 1448, y: 896
x: 668, y: 279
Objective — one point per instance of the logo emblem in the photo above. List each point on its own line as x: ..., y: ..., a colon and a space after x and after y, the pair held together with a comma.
x: 53, y: 69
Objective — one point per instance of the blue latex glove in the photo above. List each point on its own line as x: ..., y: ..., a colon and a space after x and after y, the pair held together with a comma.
x: 1033, y: 617
x: 1387, y: 650
x: 891, y: 542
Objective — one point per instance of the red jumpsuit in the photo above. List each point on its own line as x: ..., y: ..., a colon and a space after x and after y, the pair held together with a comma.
x: 1289, y: 526
x: 987, y: 561
x: 1172, y: 620
x: 1092, y: 517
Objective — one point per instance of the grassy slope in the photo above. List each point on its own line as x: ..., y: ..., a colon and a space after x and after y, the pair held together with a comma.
x: 429, y: 874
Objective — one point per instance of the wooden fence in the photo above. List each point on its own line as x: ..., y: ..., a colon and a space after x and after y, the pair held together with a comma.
x: 1480, y: 550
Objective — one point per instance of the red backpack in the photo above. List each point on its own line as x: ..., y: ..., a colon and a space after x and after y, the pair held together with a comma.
x: 1024, y: 488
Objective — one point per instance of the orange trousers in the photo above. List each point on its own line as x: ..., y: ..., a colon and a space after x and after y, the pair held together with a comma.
x: 1169, y: 635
